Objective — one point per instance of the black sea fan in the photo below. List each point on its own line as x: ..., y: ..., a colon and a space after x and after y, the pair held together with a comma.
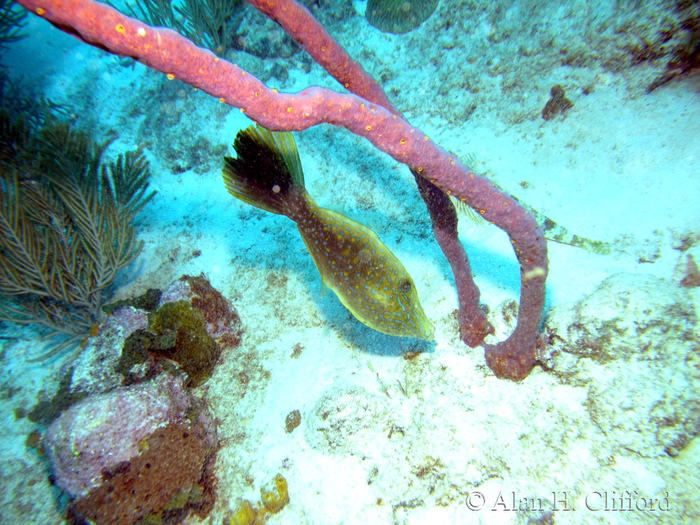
x: 12, y: 20
x: 66, y: 226
x: 399, y: 16
x: 208, y: 23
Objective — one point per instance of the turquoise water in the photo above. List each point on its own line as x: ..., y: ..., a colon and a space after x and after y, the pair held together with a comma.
x: 367, y: 427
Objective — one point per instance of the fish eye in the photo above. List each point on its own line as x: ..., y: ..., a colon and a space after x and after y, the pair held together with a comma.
x: 405, y: 285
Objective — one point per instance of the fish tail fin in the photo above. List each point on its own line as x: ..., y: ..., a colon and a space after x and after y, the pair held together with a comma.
x: 266, y: 168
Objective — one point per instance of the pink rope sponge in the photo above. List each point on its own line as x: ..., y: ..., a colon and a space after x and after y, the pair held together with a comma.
x: 366, y: 111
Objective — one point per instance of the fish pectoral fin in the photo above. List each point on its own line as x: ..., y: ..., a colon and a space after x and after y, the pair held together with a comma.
x: 325, y: 287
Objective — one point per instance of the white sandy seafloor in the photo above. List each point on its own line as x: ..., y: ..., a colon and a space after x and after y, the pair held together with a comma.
x: 618, y: 409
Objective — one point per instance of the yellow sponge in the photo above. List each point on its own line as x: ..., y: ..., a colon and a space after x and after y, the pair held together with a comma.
x: 244, y: 514
x: 275, y: 495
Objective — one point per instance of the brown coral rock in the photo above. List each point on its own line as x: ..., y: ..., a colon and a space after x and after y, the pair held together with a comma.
x: 170, y: 478
x: 692, y: 274
x: 557, y: 104
x: 292, y: 420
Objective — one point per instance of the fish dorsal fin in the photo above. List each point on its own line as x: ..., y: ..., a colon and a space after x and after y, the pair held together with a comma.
x: 284, y: 144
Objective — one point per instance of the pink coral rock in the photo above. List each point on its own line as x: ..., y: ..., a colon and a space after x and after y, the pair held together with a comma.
x: 104, y: 430
x: 143, y: 453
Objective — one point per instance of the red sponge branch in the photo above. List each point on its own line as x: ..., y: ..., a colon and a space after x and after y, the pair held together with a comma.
x: 296, y: 20
x: 370, y: 115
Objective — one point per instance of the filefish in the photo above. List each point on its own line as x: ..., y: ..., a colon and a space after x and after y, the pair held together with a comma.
x: 367, y: 278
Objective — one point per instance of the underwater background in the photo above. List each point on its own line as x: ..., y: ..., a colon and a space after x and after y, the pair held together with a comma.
x: 586, y: 111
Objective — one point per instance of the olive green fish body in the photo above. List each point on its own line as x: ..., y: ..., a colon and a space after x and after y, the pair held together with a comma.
x: 365, y: 275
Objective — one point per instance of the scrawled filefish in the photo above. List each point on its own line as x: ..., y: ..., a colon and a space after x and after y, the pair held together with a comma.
x: 367, y: 278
